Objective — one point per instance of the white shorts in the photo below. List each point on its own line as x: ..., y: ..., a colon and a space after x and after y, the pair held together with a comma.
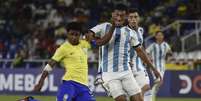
x: 142, y: 78
x: 125, y: 85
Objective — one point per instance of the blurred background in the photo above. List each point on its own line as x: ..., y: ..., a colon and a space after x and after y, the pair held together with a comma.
x: 31, y: 30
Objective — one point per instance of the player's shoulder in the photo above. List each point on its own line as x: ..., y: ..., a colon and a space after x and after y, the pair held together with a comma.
x: 127, y: 29
x: 152, y: 44
x: 64, y: 45
x: 141, y: 30
x: 165, y: 43
x: 130, y: 31
x: 104, y: 24
x: 83, y: 41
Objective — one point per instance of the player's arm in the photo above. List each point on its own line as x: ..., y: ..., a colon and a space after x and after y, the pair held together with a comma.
x: 47, y: 69
x: 145, y: 58
x: 169, y: 51
x: 90, y: 36
x: 143, y: 55
x: 148, y: 54
x: 57, y: 57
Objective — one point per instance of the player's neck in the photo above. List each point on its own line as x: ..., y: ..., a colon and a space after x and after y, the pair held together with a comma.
x: 159, y: 42
x: 73, y: 44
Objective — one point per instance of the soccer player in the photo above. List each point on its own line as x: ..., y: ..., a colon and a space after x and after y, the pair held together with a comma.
x: 73, y: 56
x: 114, y: 65
x: 138, y: 67
x: 158, y: 51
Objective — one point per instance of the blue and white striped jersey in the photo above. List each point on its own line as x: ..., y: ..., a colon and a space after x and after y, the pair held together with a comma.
x: 115, y: 55
x: 136, y: 60
x: 158, y: 53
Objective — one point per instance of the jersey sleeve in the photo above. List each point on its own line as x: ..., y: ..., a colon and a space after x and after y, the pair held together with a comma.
x: 141, y: 30
x: 134, y: 40
x: 168, y: 49
x: 59, y: 54
x: 100, y: 29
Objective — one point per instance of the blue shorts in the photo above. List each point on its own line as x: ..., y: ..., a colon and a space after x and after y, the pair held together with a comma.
x: 74, y: 91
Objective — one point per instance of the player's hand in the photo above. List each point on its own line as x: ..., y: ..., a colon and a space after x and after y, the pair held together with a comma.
x: 114, y: 19
x: 38, y: 87
x: 158, y: 77
x: 98, y: 80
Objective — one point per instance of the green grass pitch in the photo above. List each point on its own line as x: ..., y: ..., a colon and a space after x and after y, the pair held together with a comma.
x: 53, y: 98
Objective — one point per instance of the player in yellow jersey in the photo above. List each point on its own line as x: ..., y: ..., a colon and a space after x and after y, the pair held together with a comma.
x: 73, y: 56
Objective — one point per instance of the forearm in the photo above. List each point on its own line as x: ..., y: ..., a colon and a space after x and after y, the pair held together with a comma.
x: 47, y: 69
x: 106, y: 38
x: 43, y: 76
x: 145, y: 58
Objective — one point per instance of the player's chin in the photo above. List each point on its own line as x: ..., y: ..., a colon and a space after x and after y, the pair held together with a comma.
x: 75, y: 42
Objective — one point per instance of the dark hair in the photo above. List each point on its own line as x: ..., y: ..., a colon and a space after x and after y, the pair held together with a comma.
x: 120, y: 7
x: 133, y: 10
x: 74, y: 26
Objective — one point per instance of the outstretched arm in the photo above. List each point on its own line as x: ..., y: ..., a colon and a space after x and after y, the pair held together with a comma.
x: 47, y: 69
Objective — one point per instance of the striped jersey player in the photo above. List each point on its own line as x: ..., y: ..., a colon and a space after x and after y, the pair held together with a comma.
x: 158, y: 51
x: 114, y: 60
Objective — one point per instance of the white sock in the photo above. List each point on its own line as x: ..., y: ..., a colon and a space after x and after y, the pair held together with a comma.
x: 148, y: 96
x: 154, y: 91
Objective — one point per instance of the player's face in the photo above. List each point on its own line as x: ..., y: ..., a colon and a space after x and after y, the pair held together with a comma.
x: 159, y: 36
x: 73, y: 37
x: 133, y: 19
x: 119, y: 17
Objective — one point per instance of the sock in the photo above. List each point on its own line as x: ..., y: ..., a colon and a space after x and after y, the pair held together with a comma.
x: 148, y: 96
x: 154, y: 91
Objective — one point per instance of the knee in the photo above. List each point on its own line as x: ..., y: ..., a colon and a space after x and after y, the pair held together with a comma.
x: 137, y: 97
x: 120, y: 98
x: 146, y: 88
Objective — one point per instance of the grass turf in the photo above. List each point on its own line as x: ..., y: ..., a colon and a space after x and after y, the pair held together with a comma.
x: 53, y: 98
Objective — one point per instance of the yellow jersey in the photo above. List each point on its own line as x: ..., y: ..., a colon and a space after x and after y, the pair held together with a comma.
x: 74, y: 60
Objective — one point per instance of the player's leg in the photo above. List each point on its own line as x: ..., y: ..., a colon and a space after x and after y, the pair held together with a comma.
x: 131, y: 87
x: 155, y: 89
x: 86, y: 95
x: 147, y: 93
x: 66, y: 91
x: 156, y: 86
x: 143, y: 81
x: 83, y: 93
x: 116, y: 90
